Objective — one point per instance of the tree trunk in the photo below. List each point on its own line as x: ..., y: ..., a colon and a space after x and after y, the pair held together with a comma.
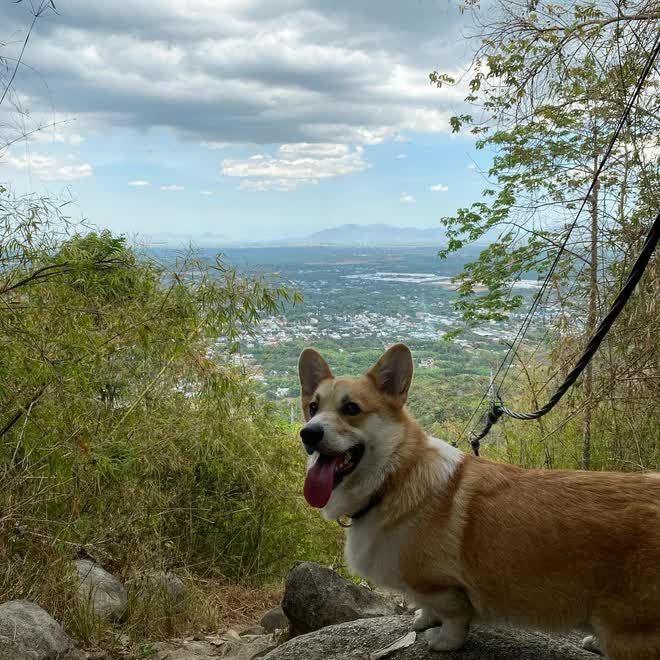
x: 591, y: 321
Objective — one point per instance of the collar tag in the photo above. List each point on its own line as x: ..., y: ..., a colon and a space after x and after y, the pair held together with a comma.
x: 345, y: 521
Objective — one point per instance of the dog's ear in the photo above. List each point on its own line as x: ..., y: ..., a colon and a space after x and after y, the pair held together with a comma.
x: 393, y: 373
x: 312, y: 369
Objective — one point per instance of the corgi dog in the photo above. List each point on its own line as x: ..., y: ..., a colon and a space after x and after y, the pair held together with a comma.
x: 466, y: 538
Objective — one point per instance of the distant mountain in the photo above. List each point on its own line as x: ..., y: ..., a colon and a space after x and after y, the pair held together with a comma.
x: 179, y: 239
x: 374, y: 234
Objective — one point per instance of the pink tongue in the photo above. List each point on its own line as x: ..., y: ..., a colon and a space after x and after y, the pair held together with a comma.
x: 320, y: 480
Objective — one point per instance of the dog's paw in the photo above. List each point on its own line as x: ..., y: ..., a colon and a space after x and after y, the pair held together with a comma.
x: 424, y: 619
x: 446, y: 637
x: 590, y: 643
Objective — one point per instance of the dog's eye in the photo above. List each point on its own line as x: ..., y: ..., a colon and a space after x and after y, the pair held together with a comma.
x: 313, y: 408
x: 350, y: 408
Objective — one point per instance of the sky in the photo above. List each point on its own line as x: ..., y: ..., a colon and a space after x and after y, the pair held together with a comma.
x: 249, y: 120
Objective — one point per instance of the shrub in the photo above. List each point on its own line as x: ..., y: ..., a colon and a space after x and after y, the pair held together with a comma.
x: 128, y: 434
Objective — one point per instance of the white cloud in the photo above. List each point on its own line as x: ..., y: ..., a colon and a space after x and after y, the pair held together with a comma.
x: 373, y: 135
x: 439, y: 187
x: 318, y: 149
x: 47, y: 168
x: 405, y: 198
x: 401, y: 156
x: 56, y: 134
x: 251, y: 72
x: 172, y: 188
x: 296, y: 164
x: 72, y: 172
x: 426, y: 120
x: 207, y: 193
x: 139, y: 183
x: 472, y: 167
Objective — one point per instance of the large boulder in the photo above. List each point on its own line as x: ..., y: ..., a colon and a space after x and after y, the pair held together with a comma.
x: 27, y: 632
x: 102, y: 590
x: 315, y: 597
x: 360, y: 639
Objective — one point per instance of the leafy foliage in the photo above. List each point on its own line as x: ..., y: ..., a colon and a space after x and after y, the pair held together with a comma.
x: 549, y: 86
x: 126, y: 431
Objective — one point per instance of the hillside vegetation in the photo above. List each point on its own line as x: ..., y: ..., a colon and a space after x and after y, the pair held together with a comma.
x: 121, y: 437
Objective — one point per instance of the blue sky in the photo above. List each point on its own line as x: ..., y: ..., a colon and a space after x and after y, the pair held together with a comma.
x: 248, y: 119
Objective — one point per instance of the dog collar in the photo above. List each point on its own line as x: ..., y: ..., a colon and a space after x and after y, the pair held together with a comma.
x: 347, y: 520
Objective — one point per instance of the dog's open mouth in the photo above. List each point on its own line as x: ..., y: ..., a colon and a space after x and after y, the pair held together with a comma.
x: 328, y: 472
x: 348, y: 462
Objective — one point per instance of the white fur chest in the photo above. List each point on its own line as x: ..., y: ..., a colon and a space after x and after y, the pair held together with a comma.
x: 374, y: 554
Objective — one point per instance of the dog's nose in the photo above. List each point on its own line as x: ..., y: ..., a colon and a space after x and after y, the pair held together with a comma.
x: 311, y: 435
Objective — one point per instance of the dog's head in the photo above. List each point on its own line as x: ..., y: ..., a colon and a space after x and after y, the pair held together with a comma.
x: 353, y: 428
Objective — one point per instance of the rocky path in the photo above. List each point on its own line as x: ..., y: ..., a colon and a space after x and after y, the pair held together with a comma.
x: 323, y: 617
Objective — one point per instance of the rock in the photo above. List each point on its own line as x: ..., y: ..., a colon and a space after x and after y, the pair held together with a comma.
x: 213, y: 647
x: 275, y: 619
x: 184, y: 650
x: 167, y: 583
x: 253, y: 630
x: 257, y: 648
x: 282, y: 635
x: 165, y: 586
x: 12, y: 650
x: 400, y: 599
x: 358, y: 639
x: 123, y: 640
x: 28, y: 632
x: 104, y: 591
x: 315, y: 597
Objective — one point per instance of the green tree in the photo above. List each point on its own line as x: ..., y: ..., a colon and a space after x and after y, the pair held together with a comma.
x: 548, y: 87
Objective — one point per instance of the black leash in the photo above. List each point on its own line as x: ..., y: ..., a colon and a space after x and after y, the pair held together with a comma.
x: 497, y: 409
